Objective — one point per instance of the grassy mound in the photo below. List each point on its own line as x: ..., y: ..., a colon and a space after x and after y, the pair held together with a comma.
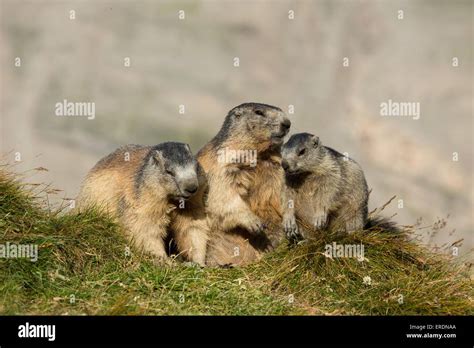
x: 85, y: 266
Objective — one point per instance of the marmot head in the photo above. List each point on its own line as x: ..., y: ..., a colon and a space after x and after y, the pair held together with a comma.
x: 172, y: 168
x: 301, y: 154
x: 256, y: 126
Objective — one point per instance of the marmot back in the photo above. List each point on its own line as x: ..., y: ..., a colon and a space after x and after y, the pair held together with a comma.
x: 328, y: 189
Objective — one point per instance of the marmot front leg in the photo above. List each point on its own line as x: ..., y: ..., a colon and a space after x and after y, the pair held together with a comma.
x: 320, y: 218
x: 291, y: 227
x: 324, y: 199
x: 289, y: 219
x: 191, y: 236
x: 231, y: 211
x: 149, y: 236
x: 236, y: 213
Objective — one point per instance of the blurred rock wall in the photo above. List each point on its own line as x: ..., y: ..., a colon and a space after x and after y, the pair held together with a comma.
x: 282, y: 61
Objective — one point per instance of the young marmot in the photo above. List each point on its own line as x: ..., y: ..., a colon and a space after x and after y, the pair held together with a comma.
x: 147, y: 188
x: 245, y: 178
x: 327, y: 189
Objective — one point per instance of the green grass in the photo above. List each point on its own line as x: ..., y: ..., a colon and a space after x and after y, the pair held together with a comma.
x: 84, y: 268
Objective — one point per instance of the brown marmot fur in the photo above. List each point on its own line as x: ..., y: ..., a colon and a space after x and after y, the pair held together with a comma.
x: 152, y: 189
x: 243, y: 168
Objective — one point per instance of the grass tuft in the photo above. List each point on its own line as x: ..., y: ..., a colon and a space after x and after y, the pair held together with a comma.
x: 85, y: 266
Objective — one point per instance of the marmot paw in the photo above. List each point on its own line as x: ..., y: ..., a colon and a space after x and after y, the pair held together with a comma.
x: 256, y: 226
x: 291, y: 228
x: 320, y: 221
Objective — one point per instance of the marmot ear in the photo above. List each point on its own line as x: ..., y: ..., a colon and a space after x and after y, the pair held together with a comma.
x: 315, y: 140
x: 188, y: 148
x: 157, y: 159
x: 238, y: 113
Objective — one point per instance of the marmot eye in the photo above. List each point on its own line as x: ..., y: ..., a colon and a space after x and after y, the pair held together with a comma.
x: 302, y: 152
x: 259, y: 112
x: 170, y: 172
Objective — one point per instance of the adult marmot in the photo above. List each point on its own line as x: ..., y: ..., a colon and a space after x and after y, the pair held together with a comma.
x: 243, y: 168
x: 146, y: 188
x: 327, y: 189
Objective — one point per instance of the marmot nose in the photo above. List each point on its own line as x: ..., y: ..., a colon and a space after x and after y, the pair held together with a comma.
x: 191, y: 189
x: 286, y: 123
x: 285, y: 165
